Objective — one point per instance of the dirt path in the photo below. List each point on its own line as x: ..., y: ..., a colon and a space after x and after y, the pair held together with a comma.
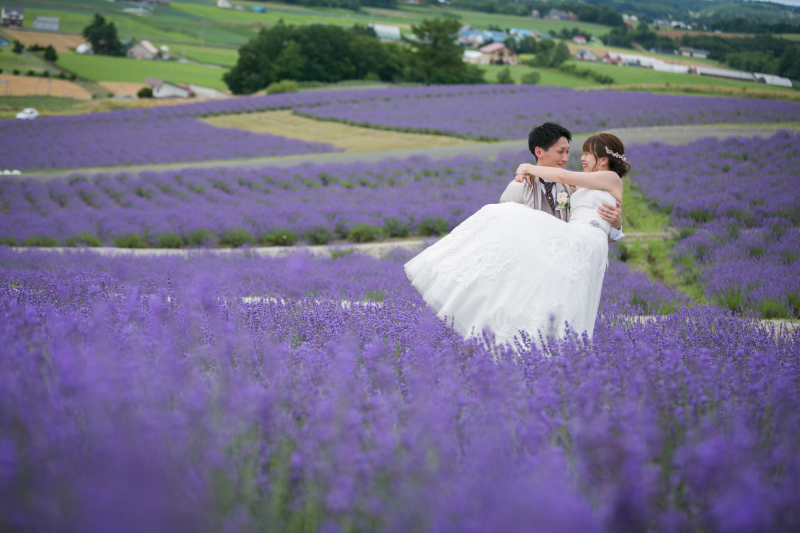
x: 667, y: 134
x: 374, y: 249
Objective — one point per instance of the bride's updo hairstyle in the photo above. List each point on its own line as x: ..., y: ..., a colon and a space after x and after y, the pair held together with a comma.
x: 601, y: 144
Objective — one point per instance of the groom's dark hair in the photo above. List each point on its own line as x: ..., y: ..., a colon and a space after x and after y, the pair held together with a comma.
x: 546, y: 135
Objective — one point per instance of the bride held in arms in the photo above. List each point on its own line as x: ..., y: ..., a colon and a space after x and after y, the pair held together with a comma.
x: 509, y: 268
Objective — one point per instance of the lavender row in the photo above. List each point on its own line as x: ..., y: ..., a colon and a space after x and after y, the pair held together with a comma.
x: 57, y: 144
x: 143, y: 395
x: 736, y: 203
x: 207, y: 207
x: 168, y: 134
x: 512, y: 114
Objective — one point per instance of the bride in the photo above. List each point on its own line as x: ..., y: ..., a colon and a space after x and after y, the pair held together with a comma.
x: 509, y: 268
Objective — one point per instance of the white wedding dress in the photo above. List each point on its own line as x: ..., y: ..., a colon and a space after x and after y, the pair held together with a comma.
x: 509, y: 268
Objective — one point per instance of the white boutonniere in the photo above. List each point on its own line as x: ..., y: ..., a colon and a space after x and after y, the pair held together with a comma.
x: 563, y: 201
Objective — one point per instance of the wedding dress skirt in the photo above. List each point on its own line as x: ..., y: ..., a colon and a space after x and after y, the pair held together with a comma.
x: 509, y: 268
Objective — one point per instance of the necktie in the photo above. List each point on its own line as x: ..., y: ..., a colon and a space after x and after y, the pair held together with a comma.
x: 548, y: 189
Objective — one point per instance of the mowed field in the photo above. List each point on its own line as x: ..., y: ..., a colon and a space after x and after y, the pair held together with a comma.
x: 35, y: 85
x: 225, y: 57
x: 63, y: 43
x: 351, y: 138
x: 98, y: 68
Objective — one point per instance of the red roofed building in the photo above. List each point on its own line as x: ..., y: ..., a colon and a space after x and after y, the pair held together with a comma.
x: 498, y: 54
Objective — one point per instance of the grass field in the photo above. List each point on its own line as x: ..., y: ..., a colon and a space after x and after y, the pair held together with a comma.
x: 351, y: 138
x: 101, y: 68
x: 226, y: 57
x: 10, y: 61
x: 631, y: 75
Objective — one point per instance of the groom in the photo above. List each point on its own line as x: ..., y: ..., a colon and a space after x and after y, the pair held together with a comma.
x: 549, y: 144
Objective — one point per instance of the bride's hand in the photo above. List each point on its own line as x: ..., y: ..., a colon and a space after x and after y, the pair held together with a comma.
x: 519, y: 178
x: 526, y: 168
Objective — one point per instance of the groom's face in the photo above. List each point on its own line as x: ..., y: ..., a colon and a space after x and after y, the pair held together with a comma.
x: 556, y: 156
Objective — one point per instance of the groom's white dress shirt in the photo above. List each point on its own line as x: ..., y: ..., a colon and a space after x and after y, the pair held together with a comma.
x: 614, y: 234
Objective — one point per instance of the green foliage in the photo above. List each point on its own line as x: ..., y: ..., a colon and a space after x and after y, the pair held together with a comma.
x: 364, y: 233
x: 321, y: 53
x: 504, y: 77
x: 130, y: 240
x: 201, y: 237
x: 437, y: 58
x: 531, y: 78
x: 8, y: 241
x: 237, y: 238
x: 168, y: 240
x: 103, y: 37
x: 574, y: 70
x: 18, y: 47
x: 40, y: 241
x: 433, y: 226
x: 550, y: 54
x: 395, y: 228
x: 319, y: 235
x: 85, y: 239
x: 284, y: 86
x: 279, y: 237
x: 619, y: 37
x: 50, y: 54
x: 145, y: 92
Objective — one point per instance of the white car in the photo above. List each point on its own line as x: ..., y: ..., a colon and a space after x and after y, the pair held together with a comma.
x: 28, y: 114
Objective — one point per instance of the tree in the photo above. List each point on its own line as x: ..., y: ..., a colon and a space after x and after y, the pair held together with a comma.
x: 145, y: 92
x: 18, y: 47
x: 789, y: 65
x: 531, y: 78
x: 437, y: 58
x: 504, y: 77
x: 312, y: 53
x: 103, y: 37
x: 50, y: 54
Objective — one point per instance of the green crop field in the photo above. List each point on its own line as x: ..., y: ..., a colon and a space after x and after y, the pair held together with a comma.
x: 633, y: 75
x: 10, y: 61
x: 102, y: 68
x: 226, y: 57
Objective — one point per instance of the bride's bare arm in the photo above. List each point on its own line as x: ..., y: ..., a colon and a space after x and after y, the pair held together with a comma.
x: 604, y: 180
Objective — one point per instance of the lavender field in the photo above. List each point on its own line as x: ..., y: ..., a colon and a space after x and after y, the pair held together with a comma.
x: 82, y: 141
x: 172, y: 134
x: 736, y: 204
x: 145, y: 395
x: 511, y: 113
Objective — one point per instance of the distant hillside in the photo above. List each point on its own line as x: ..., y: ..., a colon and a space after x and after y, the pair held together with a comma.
x: 762, y: 12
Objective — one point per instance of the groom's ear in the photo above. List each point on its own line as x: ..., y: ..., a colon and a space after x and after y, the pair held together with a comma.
x: 537, y: 152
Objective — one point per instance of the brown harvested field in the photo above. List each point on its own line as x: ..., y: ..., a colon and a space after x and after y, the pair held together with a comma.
x: 351, y: 138
x: 36, y: 86
x: 121, y: 88
x: 61, y: 42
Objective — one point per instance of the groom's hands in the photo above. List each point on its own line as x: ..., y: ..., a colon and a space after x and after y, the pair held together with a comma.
x: 611, y: 214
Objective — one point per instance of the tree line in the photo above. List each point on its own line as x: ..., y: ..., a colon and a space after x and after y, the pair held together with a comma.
x: 326, y: 53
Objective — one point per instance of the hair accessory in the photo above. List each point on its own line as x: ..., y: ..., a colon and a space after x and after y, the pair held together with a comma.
x: 615, y: 154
